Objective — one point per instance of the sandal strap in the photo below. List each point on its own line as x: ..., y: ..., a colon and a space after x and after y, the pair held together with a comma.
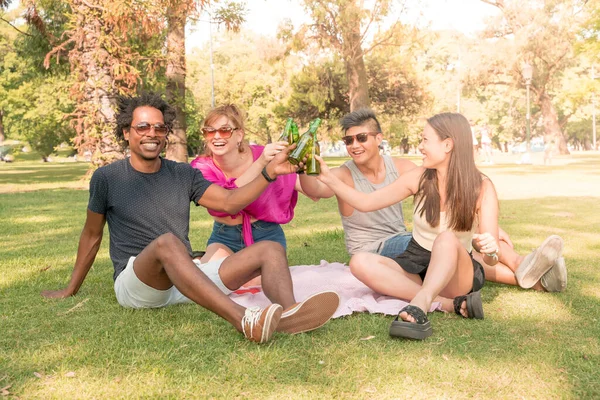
x: 457, y: 303
x: 415, y: 312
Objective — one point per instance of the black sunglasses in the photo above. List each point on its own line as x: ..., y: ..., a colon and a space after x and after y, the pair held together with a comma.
x: 224, y: 131
x: 361, y: 137
x: 144, y: 128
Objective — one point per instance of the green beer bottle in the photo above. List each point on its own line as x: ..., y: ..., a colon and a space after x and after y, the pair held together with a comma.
x: 312, y: 165
x: 287, y: 131
x: 295, y: 136
x: 304, y: 144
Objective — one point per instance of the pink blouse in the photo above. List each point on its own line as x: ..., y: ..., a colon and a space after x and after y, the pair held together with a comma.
x: 276, y: 204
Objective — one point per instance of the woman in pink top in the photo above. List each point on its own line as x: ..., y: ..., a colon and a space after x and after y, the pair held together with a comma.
x: 231, y: 162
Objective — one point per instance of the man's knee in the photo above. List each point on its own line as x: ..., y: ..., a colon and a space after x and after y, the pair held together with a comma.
x: 167, y: 242
x: 269, y: 248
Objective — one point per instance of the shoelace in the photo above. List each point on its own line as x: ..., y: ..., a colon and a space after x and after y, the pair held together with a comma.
x: 251, y: 317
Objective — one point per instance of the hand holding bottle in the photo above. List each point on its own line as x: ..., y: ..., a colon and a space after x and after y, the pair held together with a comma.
x: 486, y: 243
x: 325, y: 176
x: 271, y: 150
x: 279, y: 164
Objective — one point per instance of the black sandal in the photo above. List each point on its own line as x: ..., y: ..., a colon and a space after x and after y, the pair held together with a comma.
x: 474, y: 305
x: 420, y: 329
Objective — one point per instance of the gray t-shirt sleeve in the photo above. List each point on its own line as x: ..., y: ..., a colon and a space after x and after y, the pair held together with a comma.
x: 98, y: 193
x: 199, y: 185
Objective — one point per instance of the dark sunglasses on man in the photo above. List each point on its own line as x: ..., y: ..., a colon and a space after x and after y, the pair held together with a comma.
x: 224, y: 131
x: 361, y: 137
x: 144, y: 128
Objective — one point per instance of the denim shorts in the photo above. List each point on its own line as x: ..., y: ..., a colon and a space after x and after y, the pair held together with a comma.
x: 395, y: 245
x: 231, y: 235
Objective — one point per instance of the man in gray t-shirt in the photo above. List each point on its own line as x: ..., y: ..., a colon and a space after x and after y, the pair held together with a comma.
x: 146, y: 201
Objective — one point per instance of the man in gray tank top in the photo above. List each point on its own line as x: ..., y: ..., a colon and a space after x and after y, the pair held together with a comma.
x: 383, y: 232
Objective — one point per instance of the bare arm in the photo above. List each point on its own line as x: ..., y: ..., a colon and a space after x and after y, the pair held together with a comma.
x: 406, y: 185
x: 89, y: 243
x: 487, y: 240
x: 269, y: 152
x: 233, y: 201
x: 403, y: 165
x: 298, y: 188
x: 314, y: 188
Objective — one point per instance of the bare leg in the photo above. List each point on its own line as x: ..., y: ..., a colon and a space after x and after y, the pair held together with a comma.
x: 165, y: 262
x: 504, y: 271
x: 217, y: 251
x: 450, y: 273
x: 266, y: 259
x: 385, y: 276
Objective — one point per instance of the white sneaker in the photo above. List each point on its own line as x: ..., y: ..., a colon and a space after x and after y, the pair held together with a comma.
x: 555, y: 280
x: 537, y: 263
x: 309, y: 314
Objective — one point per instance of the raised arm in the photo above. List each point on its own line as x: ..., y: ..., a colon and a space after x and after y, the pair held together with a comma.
x: 314, y: 188
x: 406, y: 185
x: 269, y: 152
x: 233, y: 201
x: 89, y: 243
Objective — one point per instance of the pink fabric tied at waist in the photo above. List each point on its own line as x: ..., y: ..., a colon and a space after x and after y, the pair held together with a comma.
x: 276, y: 204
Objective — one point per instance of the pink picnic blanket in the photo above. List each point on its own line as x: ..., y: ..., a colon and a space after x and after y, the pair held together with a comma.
x: 310, y: 279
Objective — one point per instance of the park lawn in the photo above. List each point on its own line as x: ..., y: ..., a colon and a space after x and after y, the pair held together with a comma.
x: 530, y: 345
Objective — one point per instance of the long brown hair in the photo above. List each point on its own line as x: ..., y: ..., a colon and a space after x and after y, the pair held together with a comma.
x: 234, y: 114
x: 463, y: 180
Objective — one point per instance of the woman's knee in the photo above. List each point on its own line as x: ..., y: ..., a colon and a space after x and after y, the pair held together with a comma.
x: 446, y: 240
x: 359, y: 264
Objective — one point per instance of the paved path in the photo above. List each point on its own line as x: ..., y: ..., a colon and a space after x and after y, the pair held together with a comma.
x: 577, y: 175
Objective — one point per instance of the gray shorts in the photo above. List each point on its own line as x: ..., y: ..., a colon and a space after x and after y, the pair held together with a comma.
x: 131, y: 292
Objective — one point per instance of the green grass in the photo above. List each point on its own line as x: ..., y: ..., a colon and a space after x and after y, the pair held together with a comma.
x: 530, y: 345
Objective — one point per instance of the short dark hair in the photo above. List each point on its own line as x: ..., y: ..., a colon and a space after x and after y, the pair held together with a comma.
x: 126, y: 105
x: 360, y: 117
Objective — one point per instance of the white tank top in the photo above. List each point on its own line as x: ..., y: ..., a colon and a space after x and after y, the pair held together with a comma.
x: 425, y: 234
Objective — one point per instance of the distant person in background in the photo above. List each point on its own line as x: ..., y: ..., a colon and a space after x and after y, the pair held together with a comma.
x: 475, y: 142
x: 548, y: 150
x: 486, y: 145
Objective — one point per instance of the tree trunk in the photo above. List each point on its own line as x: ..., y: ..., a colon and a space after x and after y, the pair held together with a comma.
x: 2, y: 136
x: 176, y: 70
x: 356, y: 73
x: 95, y: 126
x: 552, y: 129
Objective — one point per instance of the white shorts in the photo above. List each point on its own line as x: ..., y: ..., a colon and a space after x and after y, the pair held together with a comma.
x: 131, y: 292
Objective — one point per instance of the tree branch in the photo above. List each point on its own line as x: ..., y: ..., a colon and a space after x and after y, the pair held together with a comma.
x: 93, y: 6
x: 384, y: 40
x: 14, y: 27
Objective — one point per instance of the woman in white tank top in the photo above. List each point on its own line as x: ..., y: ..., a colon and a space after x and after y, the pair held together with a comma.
x: 455, y: 205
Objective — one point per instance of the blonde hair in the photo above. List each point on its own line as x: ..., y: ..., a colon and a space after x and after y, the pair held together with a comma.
x: 235, y: 115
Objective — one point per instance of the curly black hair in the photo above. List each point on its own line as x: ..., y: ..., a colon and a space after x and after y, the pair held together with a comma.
x: 127, y: 104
